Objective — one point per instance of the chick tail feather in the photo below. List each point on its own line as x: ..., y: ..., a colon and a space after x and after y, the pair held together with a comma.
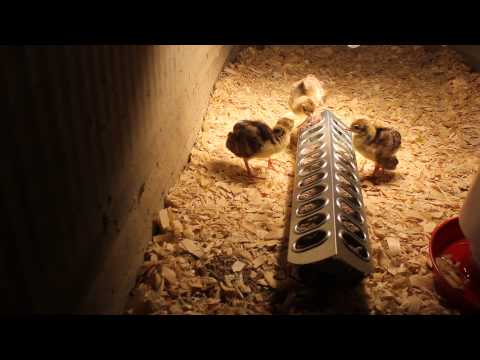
x: 231, y: 144
x: 389, y: 163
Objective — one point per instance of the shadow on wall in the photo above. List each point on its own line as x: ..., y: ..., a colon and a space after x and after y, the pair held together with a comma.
x: 73, y: 117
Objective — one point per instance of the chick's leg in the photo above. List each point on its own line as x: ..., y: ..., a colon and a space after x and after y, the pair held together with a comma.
x: 248, y: 167
x: 250, y: 174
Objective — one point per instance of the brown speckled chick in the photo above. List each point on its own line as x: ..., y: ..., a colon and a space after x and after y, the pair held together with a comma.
x: 375, y: 143
x: 255, y: 139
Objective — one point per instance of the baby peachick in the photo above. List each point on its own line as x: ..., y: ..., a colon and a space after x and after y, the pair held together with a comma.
x: 376, y: 143
x: 255, y: 139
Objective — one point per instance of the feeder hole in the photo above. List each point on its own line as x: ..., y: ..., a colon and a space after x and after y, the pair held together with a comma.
x: 312, y: 179
x: 352, y: 228
x: 310, y: 169
x: 312, y: 206
x: 311, y: 223
x: 355, y: 246
x: 310, y: 241
x: 311, y: 193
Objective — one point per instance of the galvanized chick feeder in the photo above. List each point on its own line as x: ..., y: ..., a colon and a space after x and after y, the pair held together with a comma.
x: 328, y: 225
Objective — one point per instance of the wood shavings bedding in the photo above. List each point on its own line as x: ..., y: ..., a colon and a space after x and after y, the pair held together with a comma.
x: 227, y: 250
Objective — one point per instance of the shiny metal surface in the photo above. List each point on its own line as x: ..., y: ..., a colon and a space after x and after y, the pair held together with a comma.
x: 328, y: 219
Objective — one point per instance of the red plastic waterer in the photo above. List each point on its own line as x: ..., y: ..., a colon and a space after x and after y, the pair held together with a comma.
x: 459, y: 238
x: 448, y: 239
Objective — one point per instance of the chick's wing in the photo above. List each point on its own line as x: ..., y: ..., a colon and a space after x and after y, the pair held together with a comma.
x: 386, y: 142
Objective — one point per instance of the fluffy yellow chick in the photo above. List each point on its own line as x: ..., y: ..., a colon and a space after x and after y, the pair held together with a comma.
x: 306, y: 95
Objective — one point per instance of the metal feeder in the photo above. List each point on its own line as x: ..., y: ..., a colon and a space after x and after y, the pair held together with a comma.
x: 328, y: 225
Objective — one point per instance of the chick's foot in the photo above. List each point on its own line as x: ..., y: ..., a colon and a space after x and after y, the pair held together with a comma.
x: 270, y: 165
x: 253, y: 176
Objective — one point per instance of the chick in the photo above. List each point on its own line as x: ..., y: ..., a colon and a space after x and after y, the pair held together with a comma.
x: 298, y: 120
x: 376, y: 143
x: 306, y: 95
x: 255, y: 139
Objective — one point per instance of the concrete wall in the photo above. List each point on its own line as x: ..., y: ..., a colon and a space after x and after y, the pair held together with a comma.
x: 93, y: 137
